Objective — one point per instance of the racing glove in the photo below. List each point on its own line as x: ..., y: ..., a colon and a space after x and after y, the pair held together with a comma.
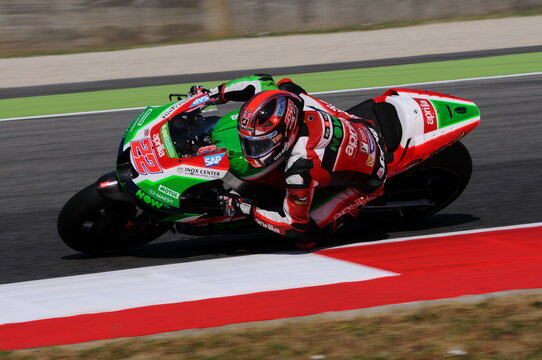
x: 217, y: 94
x: 234, y: 205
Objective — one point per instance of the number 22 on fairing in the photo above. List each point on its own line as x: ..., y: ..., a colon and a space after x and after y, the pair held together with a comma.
x: 143, y: 157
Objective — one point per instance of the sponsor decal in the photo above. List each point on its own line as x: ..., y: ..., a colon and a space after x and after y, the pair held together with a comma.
x: 371, y: 141
x: 174, y: 194
x: 161, y: 197
x: 141, y: 118
x: 353, y: 140
x: 139, y: 121
x: 247, y: 115
x: 146, y: 132
x: 301, y: 201
x: 213, y: 160
x: 166, y: 141
x: 380, y: 172
x: 267, y: 125
x: 327, y: 133
x: 371, y: 147
x: 370, y: 160
x: 291, y: 113
x: 277, y: 138
x: 158, y: 145
x: 200, y: 173
x: 363, y: 133
x: 352, y: 208
x: 280, y: 107
x: 143, y: 157
x: 171, y: 110
x: 244, y: 122
x: 207, y: 149
x: 429, y: 115
x: 147, y: 199
x: 200, y: 100
x: 267, y: 226
x: 327, y: 127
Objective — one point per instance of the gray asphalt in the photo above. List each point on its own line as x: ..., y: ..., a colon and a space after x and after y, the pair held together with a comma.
x: 44, y: 162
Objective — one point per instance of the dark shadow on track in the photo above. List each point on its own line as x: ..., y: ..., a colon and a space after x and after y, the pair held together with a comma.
x: 219, y: 246
x: 381, y: 231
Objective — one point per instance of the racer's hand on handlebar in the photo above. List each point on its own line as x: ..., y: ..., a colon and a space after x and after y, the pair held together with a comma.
x: 213, y: 93
x: 234, y: 205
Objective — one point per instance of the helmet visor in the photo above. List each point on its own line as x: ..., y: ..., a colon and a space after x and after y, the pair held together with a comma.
x: 258, y: 146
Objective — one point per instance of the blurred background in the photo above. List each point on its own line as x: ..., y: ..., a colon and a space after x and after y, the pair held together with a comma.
x: 28, y: 26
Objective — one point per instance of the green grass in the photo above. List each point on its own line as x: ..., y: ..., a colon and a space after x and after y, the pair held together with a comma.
x: 312, y: 82
x: 505, y: 327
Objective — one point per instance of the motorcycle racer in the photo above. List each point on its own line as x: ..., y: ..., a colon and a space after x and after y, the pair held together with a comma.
x: 320, y: 146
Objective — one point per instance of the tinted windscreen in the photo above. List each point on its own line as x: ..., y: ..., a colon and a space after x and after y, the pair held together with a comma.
x: 190, y: 132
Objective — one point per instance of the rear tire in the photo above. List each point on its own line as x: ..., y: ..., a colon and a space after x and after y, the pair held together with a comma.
x: 93, y: 225
x: 440, y: 179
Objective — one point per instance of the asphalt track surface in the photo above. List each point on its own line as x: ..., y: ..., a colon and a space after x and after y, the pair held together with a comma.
x: 46, y: 161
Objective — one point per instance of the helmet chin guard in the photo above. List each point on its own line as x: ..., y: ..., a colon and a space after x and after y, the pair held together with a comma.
x: 268, y: 124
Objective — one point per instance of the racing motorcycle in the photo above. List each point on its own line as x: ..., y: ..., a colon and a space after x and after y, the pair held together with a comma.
x: 175, y: 160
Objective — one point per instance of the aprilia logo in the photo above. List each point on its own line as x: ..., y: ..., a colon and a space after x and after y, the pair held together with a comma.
x: 429, y: 115
x: 267, y: 226
x: 353, y: 140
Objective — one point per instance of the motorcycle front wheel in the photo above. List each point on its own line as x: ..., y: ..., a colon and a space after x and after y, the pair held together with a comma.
x: 96, y: 226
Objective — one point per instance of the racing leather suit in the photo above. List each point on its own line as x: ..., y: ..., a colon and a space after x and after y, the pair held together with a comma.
x: 337, y: 152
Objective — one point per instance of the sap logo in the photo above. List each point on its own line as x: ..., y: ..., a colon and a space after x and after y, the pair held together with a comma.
x: 213, y: 160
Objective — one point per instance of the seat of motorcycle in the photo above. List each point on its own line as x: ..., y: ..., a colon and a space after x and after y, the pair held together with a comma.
x: 385, y: 119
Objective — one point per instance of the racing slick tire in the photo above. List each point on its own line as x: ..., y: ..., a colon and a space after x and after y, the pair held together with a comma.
x: 94, y: 225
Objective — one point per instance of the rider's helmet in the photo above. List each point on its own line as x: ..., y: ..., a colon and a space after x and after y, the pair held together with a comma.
x: 268, y: 125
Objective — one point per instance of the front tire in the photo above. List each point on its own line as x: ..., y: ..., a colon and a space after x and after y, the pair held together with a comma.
x: 93, y: 225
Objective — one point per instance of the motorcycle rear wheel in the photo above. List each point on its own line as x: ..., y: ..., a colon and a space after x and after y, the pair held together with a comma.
x: 96, y: 226
x: 439, y: 180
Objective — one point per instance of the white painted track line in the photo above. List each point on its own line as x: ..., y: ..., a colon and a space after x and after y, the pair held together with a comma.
x: 463, y: 232
x: 165, y: 284
x: 191, y: 281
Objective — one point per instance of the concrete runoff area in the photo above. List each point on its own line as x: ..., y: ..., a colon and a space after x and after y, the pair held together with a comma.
x: 272, y: 52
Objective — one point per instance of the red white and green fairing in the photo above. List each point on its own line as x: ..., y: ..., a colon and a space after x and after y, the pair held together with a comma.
x: 160, y: 173
x: 430, y: 121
